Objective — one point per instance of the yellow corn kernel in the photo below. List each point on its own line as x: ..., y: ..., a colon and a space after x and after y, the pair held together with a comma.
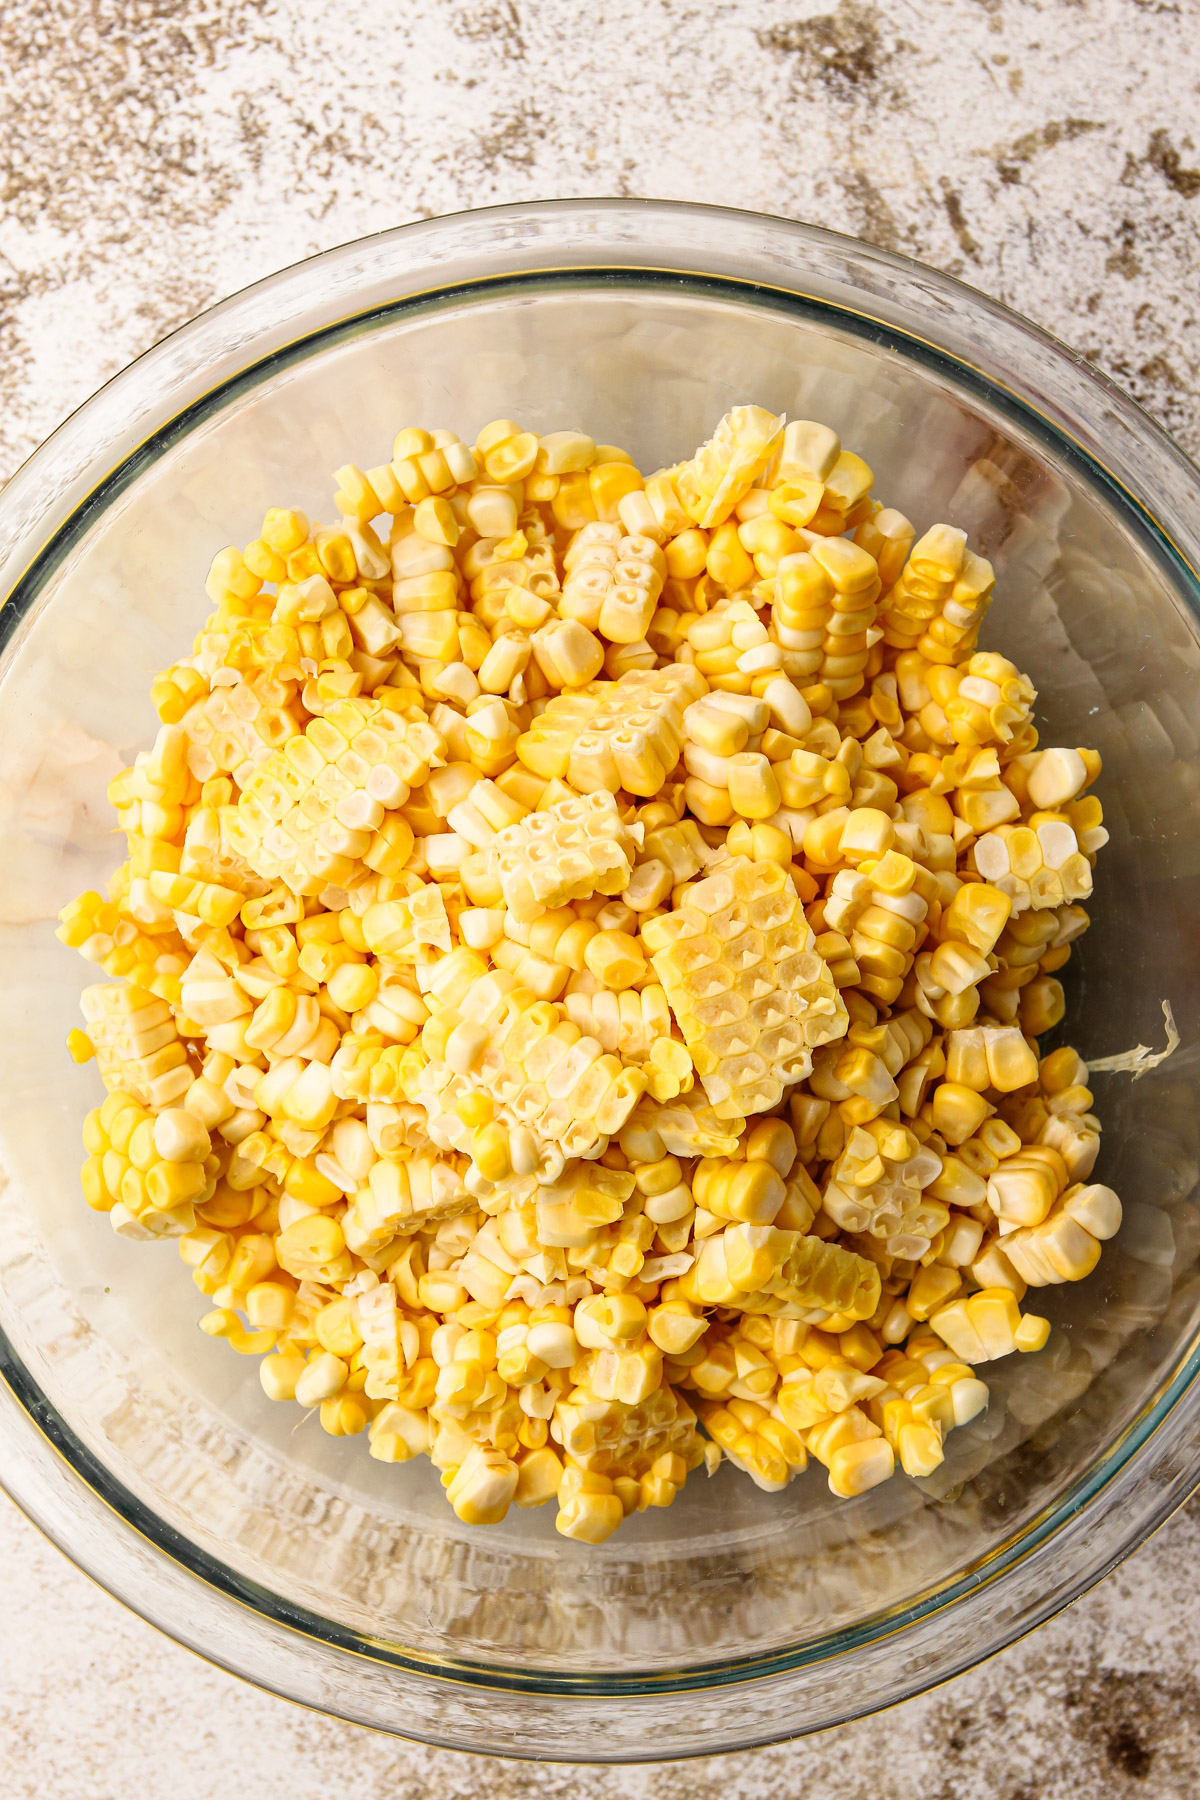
x: 608, y: 483
x: 539, y: 1476
x: 483, y: 1486
x: 435, y: 520
x: 686, y: 555
x: 279, y: 1375
x: 589, y: 1517
x: 323, y: 1378
x: 615, y: 959
x: 856, y: 1467
x: 796, y: 501
x: 726, y: 561
x: 1032, y: 1333
x: 270, y: 1306
x: 977, y: 914
x: 753, y: 789
x: 335, y: 1329
x: 490, y: 1152
x: 344, y: 1416
x: 312, y: 1245
x: 957, y: 1111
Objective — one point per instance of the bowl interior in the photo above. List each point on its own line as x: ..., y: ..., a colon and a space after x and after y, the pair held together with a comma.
x: 1089, y: 604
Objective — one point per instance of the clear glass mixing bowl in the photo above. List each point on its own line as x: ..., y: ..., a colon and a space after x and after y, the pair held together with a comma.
x: 147, y: 1451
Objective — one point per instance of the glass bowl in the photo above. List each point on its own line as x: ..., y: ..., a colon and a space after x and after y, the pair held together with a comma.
x: 147, y: 1451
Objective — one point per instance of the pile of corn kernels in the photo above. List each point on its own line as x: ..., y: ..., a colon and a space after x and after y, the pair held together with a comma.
x: 577, y: 977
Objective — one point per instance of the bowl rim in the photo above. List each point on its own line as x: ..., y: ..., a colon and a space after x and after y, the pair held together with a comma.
x: 98, y: 471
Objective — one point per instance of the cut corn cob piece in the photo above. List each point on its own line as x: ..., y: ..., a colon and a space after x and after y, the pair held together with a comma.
x: 138, y: 1048
x: 990, y: 1056
x: 823, y: 613
x: 1065, y: 1246
x: 1036, y: 865
x: 986, y: 700
x: 575, y: 848
x: 881, y: 909
x: 938, y: 603
x: 890, y: 1205
x: 637, y: 1027
x: 688, y: 1126
x: 759, y: 1268
x: 762, y: 1446
x: 988, y: 1325
x: 751, y: 994
x: 610, y: 1438
x: 147, y: 1172
x: 614, y: 734
x: 613, y: 581
x: 402, y: 1197
x: 236, y: 728
x: 728, y: 465
x: 313, y: 815
x: 556, y: 1094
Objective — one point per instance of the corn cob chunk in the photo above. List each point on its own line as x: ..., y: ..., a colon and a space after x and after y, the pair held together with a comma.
x: 556, y: 1094
x: 727, y: 466
x: 751, y: 995
x: 637, y: 1027
x: 138, y: 1048
x: 732, y: 649
x: 984, y: 700
x: 614, y: 734
x: 759, y: 1268
x: 882, y: 1194
x: 311, y: 814
x: 1065, y: 1245
x: 830, y: 485
x: 611, y: 1438
x: 888, y: 537
x: 880, y: 908
x: 1059, y: 1115
x: 87, y: 924
x: 613, y: 580
x: 926, y: 1393
x: 108, y: 934
x: 146, y: 1172
x: 1037, y: 865
x: 823, y: 613
x: 236, y: 727
x: 403, y: 1197
x: 988, y: 1325
x: 576, y: 848
x: 938, y: 603
x: 629, y: 1024
x: 403, y: 929
x: 764, y: 1447
x: 990, y: 1056
x: 688, y: 1126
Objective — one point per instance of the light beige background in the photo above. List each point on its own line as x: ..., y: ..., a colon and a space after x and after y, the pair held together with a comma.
x: 158, y: 154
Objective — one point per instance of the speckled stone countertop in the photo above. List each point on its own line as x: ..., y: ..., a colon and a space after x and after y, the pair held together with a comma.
x: 158, y: 154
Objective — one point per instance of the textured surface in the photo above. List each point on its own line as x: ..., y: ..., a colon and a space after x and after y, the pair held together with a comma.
x: 159, y: 155
x: 1101, y: 1704
x: 164, y: 152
